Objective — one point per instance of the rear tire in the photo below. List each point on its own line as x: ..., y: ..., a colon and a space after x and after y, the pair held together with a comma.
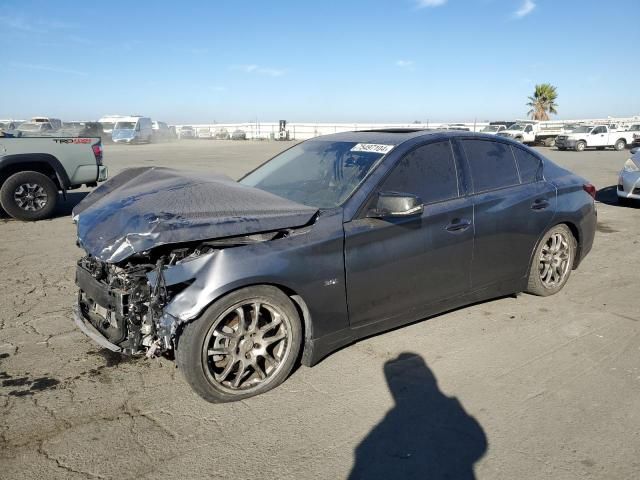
x: 249, y: 357
x: 552, y: 262
x: 29, y: 196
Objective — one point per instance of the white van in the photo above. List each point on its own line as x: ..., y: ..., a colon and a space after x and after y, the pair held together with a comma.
x: 132, y: 130
x: 108, y: 122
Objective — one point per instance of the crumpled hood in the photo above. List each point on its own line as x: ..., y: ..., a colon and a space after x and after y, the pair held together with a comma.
x: 142, y: 208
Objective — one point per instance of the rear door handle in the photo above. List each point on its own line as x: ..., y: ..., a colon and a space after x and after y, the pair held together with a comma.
x: 458, y: 225
x: 540, y: 204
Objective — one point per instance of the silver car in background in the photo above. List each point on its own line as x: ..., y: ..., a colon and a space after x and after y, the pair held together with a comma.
x: 629, y: 178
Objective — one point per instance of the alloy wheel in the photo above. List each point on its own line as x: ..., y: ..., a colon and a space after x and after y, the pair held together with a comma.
x: 555, y: 259
x: 30, y: 197
x: 246, y: 346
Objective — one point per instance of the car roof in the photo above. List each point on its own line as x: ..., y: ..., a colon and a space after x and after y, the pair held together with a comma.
x: 391, y: 136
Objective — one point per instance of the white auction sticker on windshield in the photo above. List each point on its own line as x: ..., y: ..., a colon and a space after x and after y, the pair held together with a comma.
x: 372, y: 147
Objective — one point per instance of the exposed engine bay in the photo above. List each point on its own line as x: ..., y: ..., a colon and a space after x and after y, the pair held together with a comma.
x: 125, y: 301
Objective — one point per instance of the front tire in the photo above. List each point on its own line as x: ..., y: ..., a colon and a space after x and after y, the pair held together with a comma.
x: 29, y: 196
x: 552, y: 262
x: 619, y: 145
x: 244, y: 344
x: 580, y: 146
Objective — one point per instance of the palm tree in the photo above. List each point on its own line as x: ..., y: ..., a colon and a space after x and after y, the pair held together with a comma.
x: 543, y: 102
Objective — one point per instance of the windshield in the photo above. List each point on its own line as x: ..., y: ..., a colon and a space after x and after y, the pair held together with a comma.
x: 107, y: 125
x: 581, y: 130
x: 517, y: 126
x: 490, y: 128
x: 317, y: 173
x: 4, y: 125
x: 125, y: 126
x: 635, y: 128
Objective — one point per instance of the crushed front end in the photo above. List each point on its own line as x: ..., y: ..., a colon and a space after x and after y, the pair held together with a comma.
x: 121, y: 305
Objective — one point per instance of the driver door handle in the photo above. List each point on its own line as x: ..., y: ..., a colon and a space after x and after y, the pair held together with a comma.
x: 458, y: 225
x: 540, y: 204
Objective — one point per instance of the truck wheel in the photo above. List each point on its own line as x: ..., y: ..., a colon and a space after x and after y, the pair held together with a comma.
x: 29, y: 196
x: 620, y: 144
x: 519, y: 139
x: 549, y: 142
x: 580, y: 146
x: 243, y: 345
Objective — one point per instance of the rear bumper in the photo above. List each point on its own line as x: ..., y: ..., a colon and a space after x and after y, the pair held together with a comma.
x: 103, y: 173
x: 91, y: 332
x: 587, y: 232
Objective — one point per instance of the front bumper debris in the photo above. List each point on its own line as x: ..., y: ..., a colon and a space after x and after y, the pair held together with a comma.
x: 91, y: 332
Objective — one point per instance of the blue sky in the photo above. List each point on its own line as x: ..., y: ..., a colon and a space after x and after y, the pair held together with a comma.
x: 330, y: 61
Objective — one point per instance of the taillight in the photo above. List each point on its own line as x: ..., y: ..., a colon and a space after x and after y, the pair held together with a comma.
x: 97, y: 151
x: 590, y: 189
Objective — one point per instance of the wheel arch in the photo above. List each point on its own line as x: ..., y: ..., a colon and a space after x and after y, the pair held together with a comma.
x: 574, y: 231
x: 38, y: 162
x: 298, y: 302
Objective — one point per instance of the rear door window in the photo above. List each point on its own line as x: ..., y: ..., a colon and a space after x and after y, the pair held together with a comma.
x: 529, y: 165
x: 428, y: 172
x: 492, y: 164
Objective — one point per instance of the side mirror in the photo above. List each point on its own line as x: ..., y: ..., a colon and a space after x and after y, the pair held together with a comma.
x: 394, y: 204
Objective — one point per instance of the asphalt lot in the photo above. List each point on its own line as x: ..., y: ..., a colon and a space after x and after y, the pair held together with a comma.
x: 521, y: 387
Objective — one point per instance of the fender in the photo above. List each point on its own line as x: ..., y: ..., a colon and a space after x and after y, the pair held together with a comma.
x: 48, y: 159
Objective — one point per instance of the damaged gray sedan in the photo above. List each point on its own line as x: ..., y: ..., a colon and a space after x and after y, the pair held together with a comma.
x: 337, y: 238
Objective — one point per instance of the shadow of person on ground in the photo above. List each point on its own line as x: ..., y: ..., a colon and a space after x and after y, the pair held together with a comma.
x: 609, y: 196
x: 426, y: 435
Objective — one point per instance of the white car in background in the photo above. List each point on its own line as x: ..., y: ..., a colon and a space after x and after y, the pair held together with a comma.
x: 629, y: 178
x: 34, y: 129
x: 55, y: 123
x: 205, y: 133
x: 134, y: 129
x: 594, y: 136
x: 108, y: 122
x: 493, y: 129
x: 635, y: 131
x: 186, y: 131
